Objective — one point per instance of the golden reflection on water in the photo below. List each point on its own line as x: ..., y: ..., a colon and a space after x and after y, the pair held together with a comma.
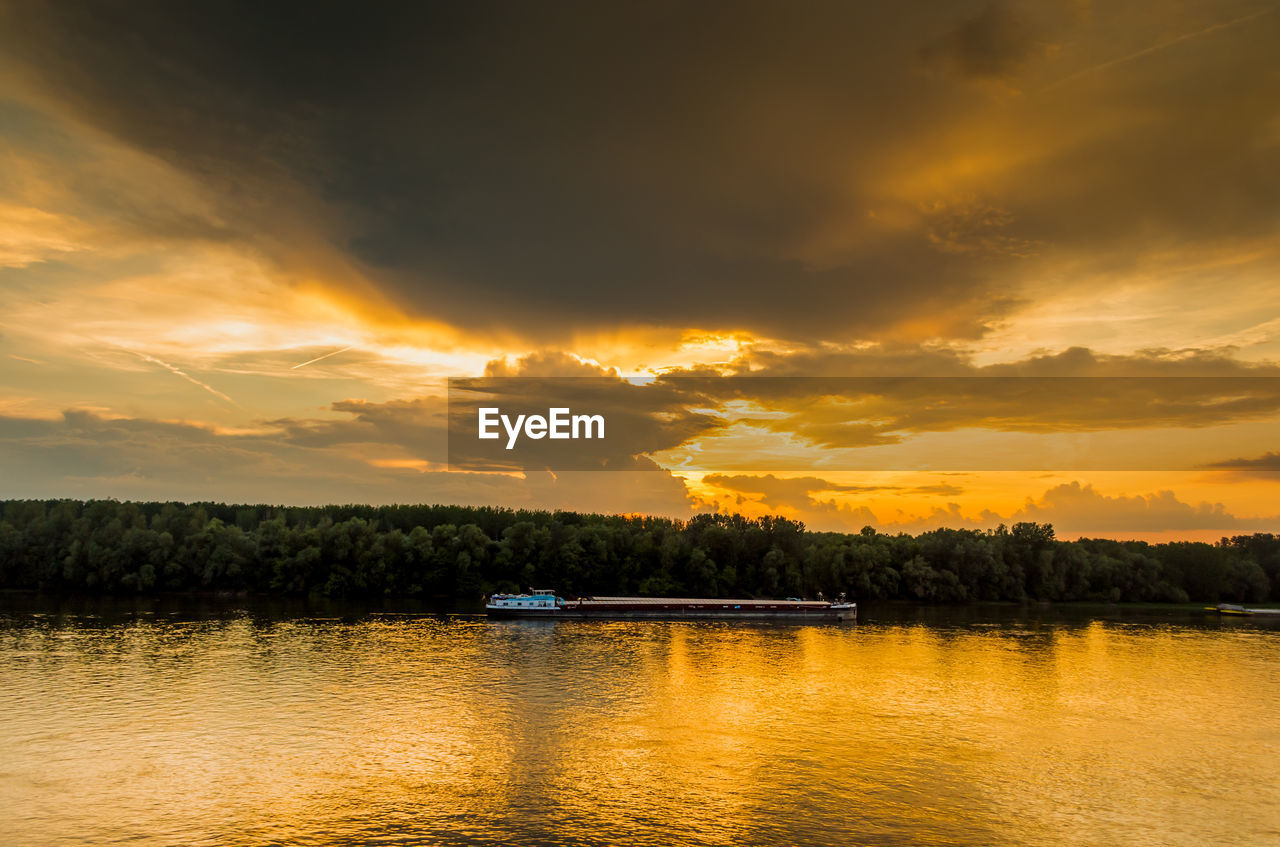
x: 464, y: 731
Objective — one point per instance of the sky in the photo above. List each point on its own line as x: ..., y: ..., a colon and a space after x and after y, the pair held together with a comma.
x: 244, y: 245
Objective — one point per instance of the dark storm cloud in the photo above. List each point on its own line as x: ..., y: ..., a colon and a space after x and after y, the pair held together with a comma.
x: 641, y: 419
x: 1266, y: 466
x: 879, y: 396
x: 581, y: 161
x: 83, y: 445
x: 417, y: 425
x: 83, y: 454
x: 995, y: 43
x: 824, y: 399
x: 635, y: 420
x: 546, y: 167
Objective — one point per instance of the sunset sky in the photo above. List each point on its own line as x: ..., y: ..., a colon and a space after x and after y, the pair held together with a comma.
x: 243, y: 245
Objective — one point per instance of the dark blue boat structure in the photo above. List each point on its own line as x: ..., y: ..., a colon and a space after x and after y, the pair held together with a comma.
x: 545, y: 604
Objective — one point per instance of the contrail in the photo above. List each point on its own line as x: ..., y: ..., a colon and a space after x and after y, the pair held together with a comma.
x: 325, y: 356
x: 1147, y: 51
x: 215, y: 392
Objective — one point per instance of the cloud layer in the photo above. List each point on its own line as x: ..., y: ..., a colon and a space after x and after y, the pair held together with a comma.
x: 243, y: 245
x: 532, y: 169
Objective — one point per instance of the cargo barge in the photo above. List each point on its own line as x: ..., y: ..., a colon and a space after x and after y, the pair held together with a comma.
x: 545, y: 604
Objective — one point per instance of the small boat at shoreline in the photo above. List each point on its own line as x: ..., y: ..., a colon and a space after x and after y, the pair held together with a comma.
x: 1229, y: 609
x: 545, y: 604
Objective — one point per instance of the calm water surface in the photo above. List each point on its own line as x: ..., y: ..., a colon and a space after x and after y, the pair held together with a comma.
x: 160, y: 725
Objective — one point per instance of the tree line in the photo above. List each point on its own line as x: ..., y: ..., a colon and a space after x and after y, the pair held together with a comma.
x: 354, y: 551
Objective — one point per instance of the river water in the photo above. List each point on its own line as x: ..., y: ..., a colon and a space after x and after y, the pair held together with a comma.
x: 235, y: 724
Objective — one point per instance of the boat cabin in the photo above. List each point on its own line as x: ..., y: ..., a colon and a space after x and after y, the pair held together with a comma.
x: 536, y: 599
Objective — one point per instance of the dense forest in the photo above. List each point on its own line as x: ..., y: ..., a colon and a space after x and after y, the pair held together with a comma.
x: 105, y: 546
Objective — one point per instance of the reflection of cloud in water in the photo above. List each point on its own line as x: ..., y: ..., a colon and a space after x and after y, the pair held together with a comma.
x: 960, y: 729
